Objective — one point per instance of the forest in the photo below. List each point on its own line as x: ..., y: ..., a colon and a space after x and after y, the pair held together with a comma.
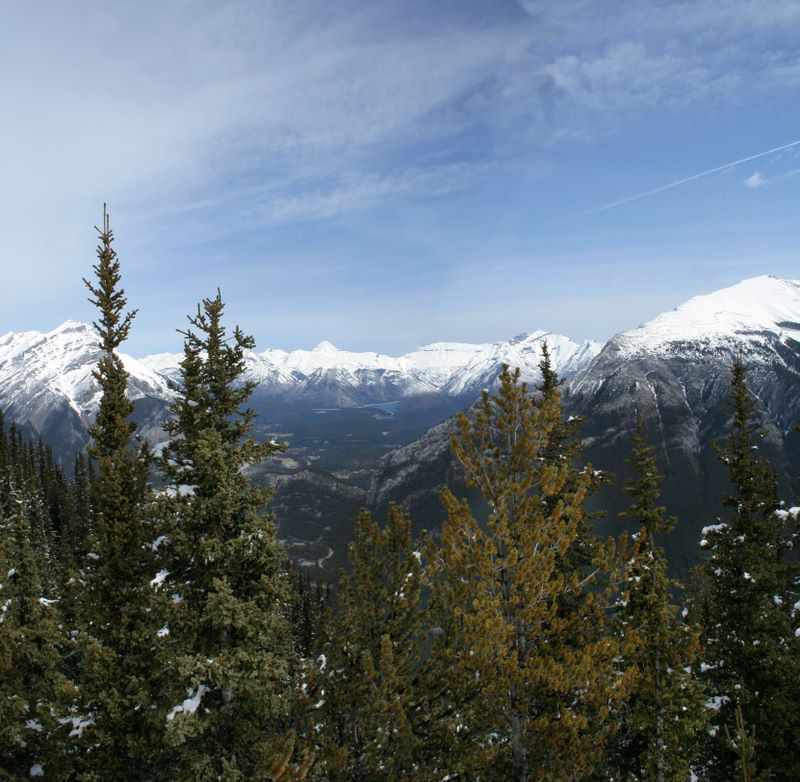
x: 152, y: 627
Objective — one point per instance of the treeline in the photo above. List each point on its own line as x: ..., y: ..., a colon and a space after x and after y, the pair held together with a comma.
x: 155, y: 629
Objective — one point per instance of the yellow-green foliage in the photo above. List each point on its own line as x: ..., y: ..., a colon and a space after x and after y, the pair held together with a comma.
x: 525, y: 648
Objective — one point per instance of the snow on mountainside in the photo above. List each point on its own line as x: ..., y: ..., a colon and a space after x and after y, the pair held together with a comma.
x: 683, y: 357
x: 747, y: 312
x: 674, y: 373
x: 46, y: 380
x: 60, y: 362
x: 453, y: 369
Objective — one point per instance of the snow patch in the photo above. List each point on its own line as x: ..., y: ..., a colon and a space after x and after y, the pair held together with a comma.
x: 159, y: 579
x: 191, y: 704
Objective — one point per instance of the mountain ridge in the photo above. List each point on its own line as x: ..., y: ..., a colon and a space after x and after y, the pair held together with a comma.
x: 678, y: 381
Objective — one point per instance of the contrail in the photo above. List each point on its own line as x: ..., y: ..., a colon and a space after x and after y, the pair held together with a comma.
x: 680, y: 182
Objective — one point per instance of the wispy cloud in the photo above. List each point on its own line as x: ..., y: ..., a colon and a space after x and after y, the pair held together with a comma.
x: 754, y: 181
x: 357, y: 192
x: 758, y: 180
x: 205, y: 119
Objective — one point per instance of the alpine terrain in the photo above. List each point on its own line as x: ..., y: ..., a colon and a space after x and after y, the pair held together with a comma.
x: 674, y: 372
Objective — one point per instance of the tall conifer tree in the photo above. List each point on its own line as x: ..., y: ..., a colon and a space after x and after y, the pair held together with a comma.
x: 665, y: 712
x: 368, y: 689
x: 752, y: 654
x: 120, y: 719
x: 227, y: 574
x: 532, y: 629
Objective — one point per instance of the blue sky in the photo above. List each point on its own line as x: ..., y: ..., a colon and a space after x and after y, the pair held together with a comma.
x: 386, y: 174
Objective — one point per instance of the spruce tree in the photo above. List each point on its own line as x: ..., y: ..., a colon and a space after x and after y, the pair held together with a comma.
x: 34, y: 692
x: 223, y: 568
x: 665, y: 711
x: 119, y: 721
x: 751, y: 660
x: 530, y: 634
x: 372, y: 726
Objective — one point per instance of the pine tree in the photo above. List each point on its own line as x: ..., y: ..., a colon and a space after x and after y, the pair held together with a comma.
x: 223, y: 567
x: 308, y: 614
x: 119, y: 721
x: 372, y: 726
x: 665, y: 712
x: 530, y: 628
x: 34, y: 692
x: 752, y: 655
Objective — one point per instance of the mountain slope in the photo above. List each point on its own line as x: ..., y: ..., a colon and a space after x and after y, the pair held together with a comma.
x: 674, y: 371
x: 46, y: 384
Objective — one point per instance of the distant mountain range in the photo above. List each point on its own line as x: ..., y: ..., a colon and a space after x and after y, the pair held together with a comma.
x: 366, y: 428
x: 674, y: 371
x: 46, y: 380
x: 329, y: 376
x: 47, y: 386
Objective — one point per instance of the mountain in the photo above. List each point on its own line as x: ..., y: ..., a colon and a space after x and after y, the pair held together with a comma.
x: 329, y: 377
x: 676, y: 366
x: 46, y: 385
x: 366, y: 428
x: 339, y: 411
x: 674, y: 371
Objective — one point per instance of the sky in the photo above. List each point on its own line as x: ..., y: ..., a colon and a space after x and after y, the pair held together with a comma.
x: 383, y: 174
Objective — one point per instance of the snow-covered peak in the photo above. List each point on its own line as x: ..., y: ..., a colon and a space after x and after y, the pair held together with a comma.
x: 159, y: 361
x: 533, y: 336
x: 448, y: 367
x: 59, y: 364
x: 751, y: 308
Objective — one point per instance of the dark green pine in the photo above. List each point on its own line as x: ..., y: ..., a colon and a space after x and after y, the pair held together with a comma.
x: 230, y: 625
x: 122, y: 687
x: 665, y: 712
x: 369, y: 690
x: 36, y: 694
x: 752, y: 655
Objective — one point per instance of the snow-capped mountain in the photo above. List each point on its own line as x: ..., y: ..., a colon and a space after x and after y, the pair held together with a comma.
x: 680, y: 360
x: 673, y: 371
x: 46, y: 383
x: 753, y: 317
x: 327, y: 375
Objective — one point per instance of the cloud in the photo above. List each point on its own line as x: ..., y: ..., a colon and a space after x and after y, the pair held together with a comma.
x: 358, y: 192
x: 758, y: 180
x: 755, y: 181
x: 204, y: 119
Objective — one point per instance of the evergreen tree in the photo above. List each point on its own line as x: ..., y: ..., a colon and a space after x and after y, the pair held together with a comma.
x: 34, y: 692
x: 665, y: 712
x: 752, y: 654
x: 366, y: 690
x: 531, y: 630
x: 308, y: 614
x: 79, y: 529
x: 223, y: 567
x: 119, y: 721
